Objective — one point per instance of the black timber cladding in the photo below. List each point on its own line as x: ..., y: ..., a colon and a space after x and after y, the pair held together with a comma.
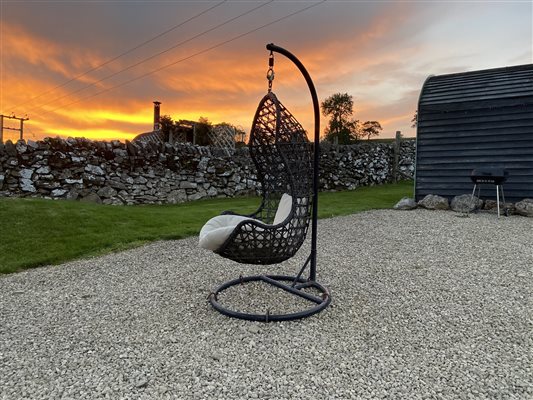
x: 471, y: 120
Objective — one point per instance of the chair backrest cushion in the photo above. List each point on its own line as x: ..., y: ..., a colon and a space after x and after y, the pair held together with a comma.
x: 284, y: 209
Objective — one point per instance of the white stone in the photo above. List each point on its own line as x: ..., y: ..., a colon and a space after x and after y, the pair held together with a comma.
x: 26, y: 173
x: 94, y: 169
x: 58, y: 192
x: 27, y: 185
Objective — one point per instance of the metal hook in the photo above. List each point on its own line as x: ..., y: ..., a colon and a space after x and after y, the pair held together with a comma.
x: 270, y: 73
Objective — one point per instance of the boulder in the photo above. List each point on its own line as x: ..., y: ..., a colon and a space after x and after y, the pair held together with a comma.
x: 405, y: 203
x: 177, y: 196
x: 524, y: 207
x: 464, y: 203
x: 91, y: 198
x: 106, y: 192
x: 492, y: 205
x: 434, y: 202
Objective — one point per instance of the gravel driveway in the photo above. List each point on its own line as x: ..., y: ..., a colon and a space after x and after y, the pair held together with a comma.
x: 425, y: 305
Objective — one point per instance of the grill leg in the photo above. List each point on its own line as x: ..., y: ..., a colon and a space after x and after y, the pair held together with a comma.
x: 505, y: 211
x: 498, y: 199
x: 472, y: 197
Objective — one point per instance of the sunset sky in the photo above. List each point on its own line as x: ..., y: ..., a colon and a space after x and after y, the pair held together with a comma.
x: 380, y: 52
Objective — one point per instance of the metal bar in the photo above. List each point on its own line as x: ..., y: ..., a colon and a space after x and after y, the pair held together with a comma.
x: 316, y: 110
x: 498, y: 199
x: 297, y: 278
x: 292, y: 290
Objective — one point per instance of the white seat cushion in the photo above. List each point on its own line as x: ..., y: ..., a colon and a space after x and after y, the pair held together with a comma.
x: 218, y: 229
x: 215, y: 231
x: 284, y: 208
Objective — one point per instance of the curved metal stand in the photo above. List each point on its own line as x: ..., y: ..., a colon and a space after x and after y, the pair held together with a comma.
x: 275, y: 280
x: 298, y: 282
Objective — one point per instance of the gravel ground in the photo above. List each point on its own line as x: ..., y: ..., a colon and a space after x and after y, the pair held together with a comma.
x: 426, y: 305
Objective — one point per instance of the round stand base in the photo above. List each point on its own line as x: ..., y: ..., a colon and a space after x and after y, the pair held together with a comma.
x: 294, y: 287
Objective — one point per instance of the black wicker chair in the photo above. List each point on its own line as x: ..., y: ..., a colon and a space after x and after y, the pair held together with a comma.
x: 283, y: 158
x: 287, y: 169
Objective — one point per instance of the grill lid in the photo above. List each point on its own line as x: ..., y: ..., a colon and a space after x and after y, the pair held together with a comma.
x: 489, y: 175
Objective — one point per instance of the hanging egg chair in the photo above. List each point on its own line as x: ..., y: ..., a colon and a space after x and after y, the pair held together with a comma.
x: 287, y: 170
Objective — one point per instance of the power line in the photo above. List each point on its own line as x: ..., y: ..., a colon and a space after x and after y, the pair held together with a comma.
x: 157, y: 54
x: 191, y: 56
x: 122, y: 54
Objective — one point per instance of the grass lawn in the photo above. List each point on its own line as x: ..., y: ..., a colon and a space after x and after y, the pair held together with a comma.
x: 39, y: 232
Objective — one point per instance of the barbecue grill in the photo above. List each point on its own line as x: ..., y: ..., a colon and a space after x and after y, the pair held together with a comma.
x: 487, y: 175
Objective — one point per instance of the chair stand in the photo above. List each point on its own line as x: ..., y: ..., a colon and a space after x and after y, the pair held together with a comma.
x: 294, y: 287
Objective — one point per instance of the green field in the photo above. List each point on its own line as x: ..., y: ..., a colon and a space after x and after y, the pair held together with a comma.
x: 39, y: 232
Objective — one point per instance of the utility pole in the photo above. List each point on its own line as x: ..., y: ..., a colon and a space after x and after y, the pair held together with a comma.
x: 20, y: 129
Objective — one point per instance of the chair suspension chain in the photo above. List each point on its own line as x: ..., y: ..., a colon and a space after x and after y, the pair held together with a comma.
x: 270, y: 72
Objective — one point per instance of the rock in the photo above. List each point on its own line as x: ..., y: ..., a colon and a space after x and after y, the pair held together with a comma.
x: 10, y: 149
x: 106, y: 192
x: 73, y: 194
x: 464, y: 203
x: 2, y: 178
x: 142, y: 382
x: 26, y: 185
x: 77, y: 160
x: 177, y: 196
x: 26, y: 173
x: 212, y: 192
x: 32, y: 144
x: 21, y: 146
x: 70, y: 181
x: 253, y: 329
x: 43, y: 170
x: 116, y: 185
x: 91, y: 198
x: 188, y: 185
x: 58, y: 192
x: 196, y: 196
x: 434, y: 202
x: 405, y: 203
x: 524, y: 207
x: 140, y: 180
x: 94, y: 169
x: 492, y: 205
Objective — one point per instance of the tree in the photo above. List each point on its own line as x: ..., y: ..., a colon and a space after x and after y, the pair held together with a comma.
x: 371, y: 128
x: 203, y: 127
x: 414, y: 121
x: 167, y: 126
x: 342, y: 128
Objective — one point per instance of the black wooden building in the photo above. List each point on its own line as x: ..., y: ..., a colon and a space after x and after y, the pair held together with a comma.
x: 471, y: 120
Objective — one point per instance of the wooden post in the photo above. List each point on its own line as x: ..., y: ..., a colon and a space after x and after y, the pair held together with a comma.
x: 396, y: 162
x: 1, y: 129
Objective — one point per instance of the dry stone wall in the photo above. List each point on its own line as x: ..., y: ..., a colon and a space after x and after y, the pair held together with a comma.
x: 126, y: 173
